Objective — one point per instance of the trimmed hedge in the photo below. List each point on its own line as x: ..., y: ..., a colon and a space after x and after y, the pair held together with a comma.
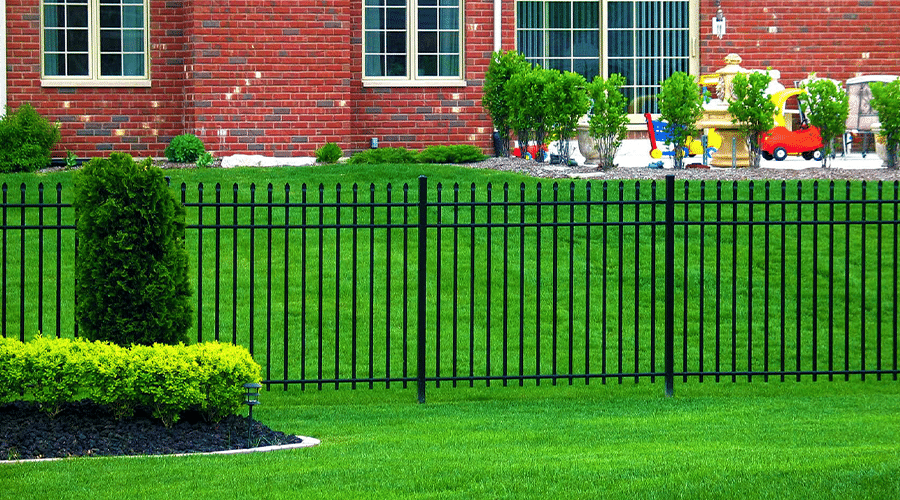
x: 169, y: 379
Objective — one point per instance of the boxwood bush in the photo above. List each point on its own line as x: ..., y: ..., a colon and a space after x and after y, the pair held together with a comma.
x: 169, y: 380
x: 26, y: 140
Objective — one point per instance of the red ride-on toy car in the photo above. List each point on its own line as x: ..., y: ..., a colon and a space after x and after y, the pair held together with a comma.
x: 779, y: 142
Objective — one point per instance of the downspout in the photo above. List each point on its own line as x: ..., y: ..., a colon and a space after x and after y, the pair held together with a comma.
x: 3, y: 57
x: 497, y: 44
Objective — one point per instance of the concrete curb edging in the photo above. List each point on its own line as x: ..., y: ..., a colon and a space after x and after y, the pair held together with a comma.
x: 308, y: 442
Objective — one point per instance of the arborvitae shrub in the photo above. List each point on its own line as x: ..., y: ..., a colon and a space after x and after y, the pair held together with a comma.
x: 132, y: 265
x: 185, y: 148
x: 26, y: 140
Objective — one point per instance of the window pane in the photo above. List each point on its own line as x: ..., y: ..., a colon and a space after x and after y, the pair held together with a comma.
x: 395, y: 43
x: 530, y: 43
x: 648, y: 14
x: 133, y: 17
x: 396, y: 19
x: 133, y: 41
x: 428, y: 43
x: 588, y: 68
x: 449, y: 43
x: 77, y: 41
x: 560, y: 64
x: 620, y: 15
x: 374, y: 19
x: 428, y: 66
x: 77, y: 16
x: 374, y: 42
x: 54, y: 40
x: 396, y: 65
x: 450, y: 19
x: 587, y: 44
x: 133, y: 64
x: 54, y: 16
x: 559, y: 15
x: 648, y: 44
x: 529, y: 15
x: 560, y: 44
x: 449, y: 65
x: 54, y: 64
x: 111, y: 64
x: 110, y: 17
x: 428, y: 19
x: 77, y: 65
x: 621, y: 43
x: 586, y: 15
x: 110, y: 41
x: 374, y: 66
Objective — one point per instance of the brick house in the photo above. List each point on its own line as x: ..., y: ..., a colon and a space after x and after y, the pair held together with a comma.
x: 280, y: 77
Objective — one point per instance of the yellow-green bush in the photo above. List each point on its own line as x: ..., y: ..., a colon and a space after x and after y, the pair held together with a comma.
x: 168, y: 379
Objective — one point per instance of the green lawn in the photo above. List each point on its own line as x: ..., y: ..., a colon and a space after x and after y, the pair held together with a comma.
x: 778, y: 440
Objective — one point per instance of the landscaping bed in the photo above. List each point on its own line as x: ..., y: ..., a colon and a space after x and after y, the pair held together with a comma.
x: 87, y: 429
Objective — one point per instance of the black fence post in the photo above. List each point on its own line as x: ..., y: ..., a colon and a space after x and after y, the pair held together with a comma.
x: 422, y: 239
x: 670, y: 287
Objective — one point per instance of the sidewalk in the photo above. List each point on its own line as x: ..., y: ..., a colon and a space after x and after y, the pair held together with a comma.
x: 635, y: 153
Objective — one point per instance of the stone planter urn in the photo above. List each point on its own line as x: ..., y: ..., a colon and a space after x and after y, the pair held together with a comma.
x: 585, y: 143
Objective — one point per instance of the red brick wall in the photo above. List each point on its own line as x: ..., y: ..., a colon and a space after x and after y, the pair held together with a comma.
x: 281, y: 78
x: 836, y: 39
x: 96, y: 121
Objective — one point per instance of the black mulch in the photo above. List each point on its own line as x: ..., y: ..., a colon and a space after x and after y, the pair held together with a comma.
x: 87, y: 429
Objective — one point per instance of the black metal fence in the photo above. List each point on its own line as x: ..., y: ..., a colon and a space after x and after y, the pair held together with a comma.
x: 581, y: 281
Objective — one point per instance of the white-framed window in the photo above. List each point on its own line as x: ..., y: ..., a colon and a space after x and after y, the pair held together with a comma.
x: 643, y: 40
x: 95, y: 42
x: 413, y: 42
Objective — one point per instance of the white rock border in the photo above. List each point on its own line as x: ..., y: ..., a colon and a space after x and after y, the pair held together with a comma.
x: 308, y: 442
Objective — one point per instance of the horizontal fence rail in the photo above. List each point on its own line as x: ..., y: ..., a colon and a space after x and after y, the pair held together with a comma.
x: 464, y: 285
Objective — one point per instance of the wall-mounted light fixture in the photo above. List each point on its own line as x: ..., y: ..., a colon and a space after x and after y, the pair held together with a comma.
x: 718, y: 22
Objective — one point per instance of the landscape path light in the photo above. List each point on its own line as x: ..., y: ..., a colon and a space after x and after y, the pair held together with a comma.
x: 251, y: 399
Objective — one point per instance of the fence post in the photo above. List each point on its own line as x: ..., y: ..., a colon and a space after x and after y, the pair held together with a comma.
x: 670, y: 287
x: 422, y: 239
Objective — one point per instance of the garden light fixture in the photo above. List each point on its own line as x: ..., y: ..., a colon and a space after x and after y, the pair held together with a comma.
x: 251, y: 399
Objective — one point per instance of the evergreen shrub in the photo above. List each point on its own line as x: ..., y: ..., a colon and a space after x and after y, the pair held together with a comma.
x: 460, y: 153
x: 185, y: 148
x: 132, y: 265
x: 26, y: 140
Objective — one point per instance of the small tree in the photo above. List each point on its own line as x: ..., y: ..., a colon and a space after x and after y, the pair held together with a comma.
x: 681, y: 105
x: 132, y: 265
x: 886, y: 101
x: 752, y: 110
x: 826, y: 106
x: 567, y: 102
x: 608, y: 117
x: 529, y: 105
x: 496, y: 99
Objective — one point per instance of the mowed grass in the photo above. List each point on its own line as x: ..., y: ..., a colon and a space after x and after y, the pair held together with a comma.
x: 825, y: 440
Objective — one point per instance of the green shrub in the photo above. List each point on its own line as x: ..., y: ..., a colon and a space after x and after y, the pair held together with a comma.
x: 169, y: 380
x: 608, y: 117
x: 886, y: 101
x: 752, y: 110
x: 185, y: 148
x: 681, y: 105
x: 461, y: 153
x: 329, y: 153
x: 399, y: 156
x: 12, y: 369
x: 496, y: 98
x: 26, y: 140
x: 530, y: 105
x: 826, y: 106
x: 570, y: 102
x: 132, y: 265
x: 204, y: 160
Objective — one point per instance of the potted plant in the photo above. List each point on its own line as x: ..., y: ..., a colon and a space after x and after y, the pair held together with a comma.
x: 607, y: 117
x: 752, y: 110
x: 826, y: 106
x: 495, y: 99
x: 681, y: 106
x: 886, y: 101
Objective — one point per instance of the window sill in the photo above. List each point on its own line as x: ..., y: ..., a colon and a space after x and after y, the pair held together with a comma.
x: 59, y: 82
x: 414, y: 83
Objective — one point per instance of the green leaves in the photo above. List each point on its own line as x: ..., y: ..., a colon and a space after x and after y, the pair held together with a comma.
x: 186, y: 148
x: 608, y: 116
x: 680, y: 104
x: 208, y: 377
x: 26, y: 140
x: 752, y: 110
x: 826, y: 106
x: 886, y: 101
x: 496, y: 95
x: 131, y: 268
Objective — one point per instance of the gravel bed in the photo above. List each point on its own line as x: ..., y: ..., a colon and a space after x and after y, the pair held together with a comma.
x: 88, y: 429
